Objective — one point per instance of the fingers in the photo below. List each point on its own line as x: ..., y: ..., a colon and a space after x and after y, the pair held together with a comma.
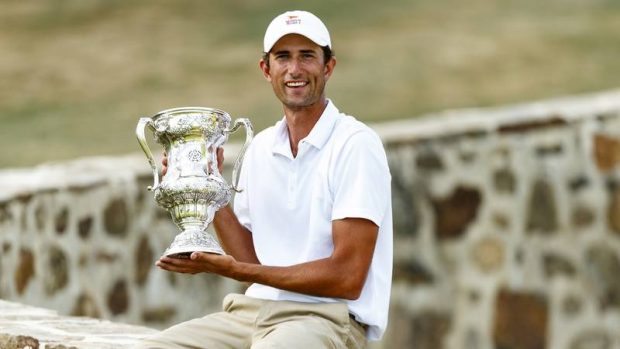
x: 164, y: 164
x: 178, y: 265
x: 220, y: 159
x: 198, y: 262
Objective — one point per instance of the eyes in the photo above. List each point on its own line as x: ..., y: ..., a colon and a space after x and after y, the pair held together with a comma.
x: 283, y: 56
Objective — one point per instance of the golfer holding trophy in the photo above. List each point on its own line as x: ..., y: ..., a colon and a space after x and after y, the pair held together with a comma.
x: 311, y: 232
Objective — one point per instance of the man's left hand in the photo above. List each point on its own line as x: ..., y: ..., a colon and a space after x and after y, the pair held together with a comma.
x: 199, y: 262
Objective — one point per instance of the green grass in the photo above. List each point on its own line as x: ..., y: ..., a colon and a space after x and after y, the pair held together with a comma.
x: 75, y: 75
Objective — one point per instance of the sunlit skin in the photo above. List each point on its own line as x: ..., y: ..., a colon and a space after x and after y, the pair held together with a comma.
x: 297, y: 73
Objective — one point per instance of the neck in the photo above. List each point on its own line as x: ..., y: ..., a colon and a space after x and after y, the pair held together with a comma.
x: 301, y: 120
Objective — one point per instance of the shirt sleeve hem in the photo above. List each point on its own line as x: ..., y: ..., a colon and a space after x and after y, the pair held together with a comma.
x: 372, y: 216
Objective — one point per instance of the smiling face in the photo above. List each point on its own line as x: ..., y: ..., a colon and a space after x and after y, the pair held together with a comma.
x: 297, y: 71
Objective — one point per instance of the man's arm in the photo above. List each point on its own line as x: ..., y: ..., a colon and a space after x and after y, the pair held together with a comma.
x: 235, y: 239
x: 341, y: 275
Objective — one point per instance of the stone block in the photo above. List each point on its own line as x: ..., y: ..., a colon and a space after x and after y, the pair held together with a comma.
x: 144, y: 259
x: 61, y: 221
x: 504, y: 181
x: 413, y: 272
x: 405, y: 213
x: 5, y: 213
x: 602, y: 267
x: 56, y: 276
x: 488, y: 254
x: 8, y: 341
x: 582, y: 217
x: 40, y: 216
x: 606, y: 152
x: 542, y: 216
x: 118, y: 298
x: 521, y: 320
x: 86, y: 305
x: 25, y: 270
x: 454, y: 213
x: 429, y: 161
x: 555, y: 264
x: 85, y: 226
x: 116, y: 218
x: 613, y: 210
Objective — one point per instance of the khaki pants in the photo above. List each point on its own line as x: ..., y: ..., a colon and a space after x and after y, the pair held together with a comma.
x: 249, y: 323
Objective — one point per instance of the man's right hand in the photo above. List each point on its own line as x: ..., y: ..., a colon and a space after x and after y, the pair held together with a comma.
x: 164, y: 164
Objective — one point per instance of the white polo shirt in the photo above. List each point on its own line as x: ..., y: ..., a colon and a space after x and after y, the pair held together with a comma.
x: 289, y: 203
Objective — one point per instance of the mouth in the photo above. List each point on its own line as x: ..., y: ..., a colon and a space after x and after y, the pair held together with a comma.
x: 296, y: 83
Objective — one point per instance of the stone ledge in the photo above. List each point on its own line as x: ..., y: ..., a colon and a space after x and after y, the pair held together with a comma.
x: 86, y: 172
x: 523, y: 116
x: 23, y: 326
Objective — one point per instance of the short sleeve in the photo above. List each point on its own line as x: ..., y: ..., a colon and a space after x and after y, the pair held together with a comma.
x: 361, y: 179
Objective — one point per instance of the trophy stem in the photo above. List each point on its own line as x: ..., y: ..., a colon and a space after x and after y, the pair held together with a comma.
x: 193, y: 239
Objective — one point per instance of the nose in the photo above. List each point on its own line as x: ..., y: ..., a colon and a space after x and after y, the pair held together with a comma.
x: 294, y: 67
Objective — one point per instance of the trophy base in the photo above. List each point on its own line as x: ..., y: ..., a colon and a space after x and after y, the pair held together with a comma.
x: 193, y: 241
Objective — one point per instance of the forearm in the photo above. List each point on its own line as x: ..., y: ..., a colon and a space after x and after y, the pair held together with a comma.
x: 326, y: 277
x: 235, y: 239
x: 341, y: 275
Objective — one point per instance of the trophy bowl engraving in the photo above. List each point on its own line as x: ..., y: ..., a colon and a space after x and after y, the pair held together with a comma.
x: 193, y: 188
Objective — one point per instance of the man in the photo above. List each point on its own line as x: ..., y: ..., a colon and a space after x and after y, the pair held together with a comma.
x: 311, y: 230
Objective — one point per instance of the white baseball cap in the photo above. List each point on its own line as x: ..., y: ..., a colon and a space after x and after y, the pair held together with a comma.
x: 296, y: 22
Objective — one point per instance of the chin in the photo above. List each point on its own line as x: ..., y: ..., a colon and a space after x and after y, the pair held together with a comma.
x: 299, y: 103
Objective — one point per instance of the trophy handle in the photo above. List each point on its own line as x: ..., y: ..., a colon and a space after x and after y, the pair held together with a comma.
x: 145, y: 147
x: 249, y: 134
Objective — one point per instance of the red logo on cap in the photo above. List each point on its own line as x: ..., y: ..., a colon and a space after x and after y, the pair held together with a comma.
x: 293, y: 20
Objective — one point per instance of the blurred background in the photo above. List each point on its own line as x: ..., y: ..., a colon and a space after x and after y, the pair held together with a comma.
x: 77, y: 74
x: 507, y: 220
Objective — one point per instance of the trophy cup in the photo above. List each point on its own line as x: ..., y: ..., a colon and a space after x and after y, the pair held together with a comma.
x: 193, y: 188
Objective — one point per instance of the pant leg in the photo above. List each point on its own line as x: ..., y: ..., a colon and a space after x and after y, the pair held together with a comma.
x: 229, y: 329
x: 294, y: 325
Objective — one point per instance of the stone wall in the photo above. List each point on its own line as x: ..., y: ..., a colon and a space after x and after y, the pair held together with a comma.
x: 82, y: 238
x: 507, y: 229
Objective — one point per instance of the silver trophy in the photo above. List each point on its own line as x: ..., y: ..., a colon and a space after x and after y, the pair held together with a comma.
x: 193, y: 188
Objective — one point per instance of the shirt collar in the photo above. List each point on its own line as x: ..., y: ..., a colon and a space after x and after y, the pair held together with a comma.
x: 318, y: 135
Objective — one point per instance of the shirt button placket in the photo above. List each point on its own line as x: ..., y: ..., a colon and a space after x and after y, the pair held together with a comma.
x: 292, y: 179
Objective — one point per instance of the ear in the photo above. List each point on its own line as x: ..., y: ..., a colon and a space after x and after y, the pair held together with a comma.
x: 329, y: 68
x: 264, y: 67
